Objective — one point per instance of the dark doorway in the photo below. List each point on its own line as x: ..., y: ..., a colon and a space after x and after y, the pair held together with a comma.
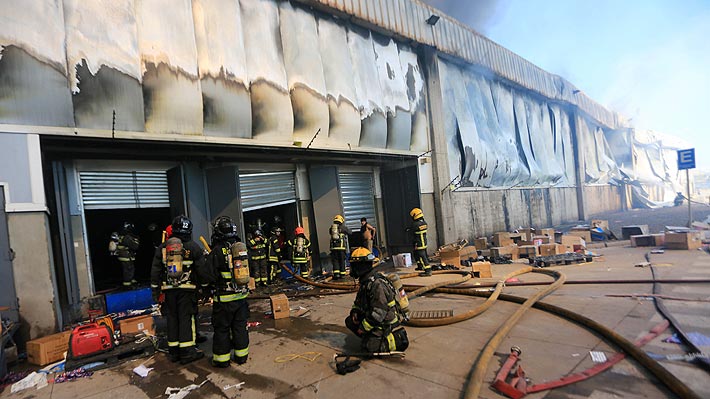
x: 287, y: 213
x: 400, y: 193
x: 100, y: 223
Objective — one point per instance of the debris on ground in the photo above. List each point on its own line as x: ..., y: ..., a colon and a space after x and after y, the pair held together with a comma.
x: 72, y: 375
x: 34, y: 379
x: 142, y: 370
x: 238, y: 386
x: 310, y: 356
x: 180, y: 393
x: 598, y: 357
x: 12, y: 377
x: 252, y: 324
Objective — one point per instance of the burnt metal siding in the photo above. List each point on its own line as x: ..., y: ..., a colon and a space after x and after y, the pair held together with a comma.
x: 262, y: 190
x: 358, y: 197
x: 407, y: 19
x: 124, y: 189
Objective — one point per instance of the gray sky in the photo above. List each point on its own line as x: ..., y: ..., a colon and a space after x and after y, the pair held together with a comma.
x: 647, y: 59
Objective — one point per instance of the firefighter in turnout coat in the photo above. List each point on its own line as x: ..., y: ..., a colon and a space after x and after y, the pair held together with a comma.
x: 226, y: 272
x: 419, y: 231
x: 175, y: 269
x: 299, y: 250
x: 338, y: 246
x: 375, y: 316
x: 126, y: 248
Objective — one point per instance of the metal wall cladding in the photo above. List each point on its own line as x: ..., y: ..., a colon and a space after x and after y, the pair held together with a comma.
x: 407, y: 18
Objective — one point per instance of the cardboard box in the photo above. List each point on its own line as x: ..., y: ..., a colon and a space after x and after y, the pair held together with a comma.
x: 547, y: 232
x: 527, y: 233
x: 482, y: 269
x: 528, y: 251
x: 481, y: 243
x: 509, y: 251
x: 49, y: 349
x: 402, y: 260
x: 552, y: 249
x: 690, y: 240
x: 138, y: 324
x: 279, y: 306
x: 604, y: 224
x: 453, y: 257
x: 643, y: 241
x: 585, y: 234
x: 569, y: 241
x: 635, y: 230
x: 539, y: 240
x: 502, y: 239
x: 659, y: 239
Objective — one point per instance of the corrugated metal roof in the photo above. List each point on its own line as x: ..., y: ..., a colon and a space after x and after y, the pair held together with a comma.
x: 407, y: 18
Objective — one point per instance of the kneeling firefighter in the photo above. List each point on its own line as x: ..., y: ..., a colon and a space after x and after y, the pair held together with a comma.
x: 227, y: 271
x: 376, y: 314
x: 176, y: 266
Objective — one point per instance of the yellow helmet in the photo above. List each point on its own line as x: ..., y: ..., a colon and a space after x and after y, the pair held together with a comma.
x: 361, y: 254
x: 338, y: 219
x: 416, y: 213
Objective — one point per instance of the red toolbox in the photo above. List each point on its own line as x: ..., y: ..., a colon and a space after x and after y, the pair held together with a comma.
x: 89, y: 339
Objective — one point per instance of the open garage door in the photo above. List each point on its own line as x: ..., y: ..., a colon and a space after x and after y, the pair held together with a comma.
x: 267, y: 189
x: 125, y: 189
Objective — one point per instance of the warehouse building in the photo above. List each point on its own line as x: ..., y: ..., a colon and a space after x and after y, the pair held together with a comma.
x: 145, y: 109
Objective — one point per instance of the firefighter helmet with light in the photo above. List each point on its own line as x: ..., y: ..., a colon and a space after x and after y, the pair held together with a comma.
x: 416, y: 213
x: 338, y: 219
x: 300, y: 231
x: 182, y: 226
x: 225, y: 228
x: 128, y: 227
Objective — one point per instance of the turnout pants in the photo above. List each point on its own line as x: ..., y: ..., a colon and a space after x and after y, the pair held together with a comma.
x: 304, y: 267
x: 261, y: 267
x: 274, y: 269
x: 338, y: 257
x: 129, y: 270
x: 179, y: 308
x: 229, y: 320
x: 380, y: 340
x: 421, y: 258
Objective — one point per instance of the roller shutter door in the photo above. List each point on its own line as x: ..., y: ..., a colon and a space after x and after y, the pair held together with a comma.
x: 263, y: 190
x: 358, y: 197
x: 116, y: 190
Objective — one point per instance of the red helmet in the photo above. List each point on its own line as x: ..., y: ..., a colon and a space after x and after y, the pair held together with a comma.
x: 299, y: 230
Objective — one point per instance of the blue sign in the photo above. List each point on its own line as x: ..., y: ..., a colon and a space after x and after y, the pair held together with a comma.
x: 686, y: 159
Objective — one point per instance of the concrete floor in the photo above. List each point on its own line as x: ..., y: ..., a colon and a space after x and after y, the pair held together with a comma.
x: 439, y: 359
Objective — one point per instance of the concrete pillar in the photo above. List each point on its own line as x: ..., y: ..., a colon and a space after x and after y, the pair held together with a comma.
x: 443, y: 202
x: 579, y: 165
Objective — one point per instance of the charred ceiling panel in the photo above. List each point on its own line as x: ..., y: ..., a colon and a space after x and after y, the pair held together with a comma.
x: 104, y: 64
x: 222, y: 67
x: 502, y: 137
x: 33, y: 75
x: 394, y: 91
x: 171, y: 87
x: 415, y: 94
x: 370, y: 99
x: 304, y: 67
x: 338, y: 71
x: 272, y: 114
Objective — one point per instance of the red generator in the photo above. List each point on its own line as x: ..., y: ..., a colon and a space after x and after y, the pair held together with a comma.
x: 88, y: 340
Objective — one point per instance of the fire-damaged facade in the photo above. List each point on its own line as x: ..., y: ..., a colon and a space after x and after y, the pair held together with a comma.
x: 142, y: 110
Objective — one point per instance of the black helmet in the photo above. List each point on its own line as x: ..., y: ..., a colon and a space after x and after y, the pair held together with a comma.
x: 225, y: 228
x: 182, y: 226
x: 128, y: 227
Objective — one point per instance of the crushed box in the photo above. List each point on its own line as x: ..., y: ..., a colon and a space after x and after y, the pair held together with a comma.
x: 453, y: 257
x: 49, y: 349
x: 569, y: 242
x: 502, y: 239
x: 138, y: 324
x: 279, y: 306
x: 584, y: 233
x: 689, y: 240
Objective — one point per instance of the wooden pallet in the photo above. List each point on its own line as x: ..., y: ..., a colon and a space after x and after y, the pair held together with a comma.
x: 560, y: 260
x: 117, y: 355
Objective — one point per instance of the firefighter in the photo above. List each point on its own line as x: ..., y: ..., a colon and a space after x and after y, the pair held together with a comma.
x: 257, y: 257
x: 126, y: 248
x: 338, y: 246
x: 375, y: 316
x: 299, y: 250
x: 273, y: 246
x: 419, y: 230
x: 176, y: 266
x: 230, y: 310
